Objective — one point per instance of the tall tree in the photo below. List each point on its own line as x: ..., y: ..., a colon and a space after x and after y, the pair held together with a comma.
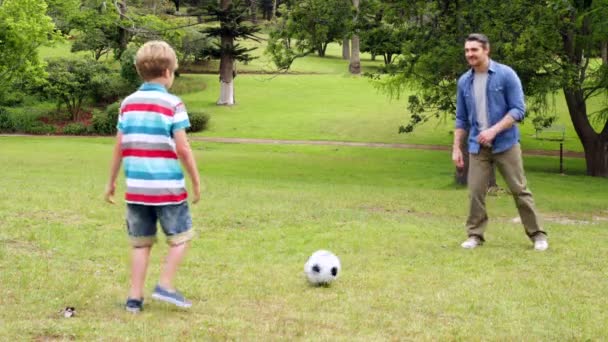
x: 24, y: 27
x: 231, y: 15
x: 550, y: 44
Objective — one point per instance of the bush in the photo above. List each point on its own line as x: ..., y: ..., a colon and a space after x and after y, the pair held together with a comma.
x: 104, y: 122
x: 128, y: 72
x: 75, y: 128
x: 39, y: 128
x: 198, y: 122
x: 6, y: 124
x: 72, y: 81
x: 110, y: 88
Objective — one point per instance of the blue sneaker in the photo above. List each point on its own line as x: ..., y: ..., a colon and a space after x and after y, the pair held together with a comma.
x: 134, y: 305
x: 174, y: 298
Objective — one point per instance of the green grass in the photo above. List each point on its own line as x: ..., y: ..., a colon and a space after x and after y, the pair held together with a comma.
x: 392, y: 216
x: 331, y: 107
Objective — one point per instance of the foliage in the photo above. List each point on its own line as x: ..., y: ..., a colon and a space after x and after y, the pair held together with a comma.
x: 198, y: 121
x: 63, y: 12
x: 97, y: 30
x: 6, y: 125
x: 232, y: 26
x: 72, y: 81
x: 24, y: 27
x: 104, y: 122
x: 127, y: 67
x: 311, y: 25
x: 75, y: 128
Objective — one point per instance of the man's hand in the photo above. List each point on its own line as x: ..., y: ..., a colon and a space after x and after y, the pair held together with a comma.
x: 487, y: 136
x: 457, y: 157
x: 109, y: 194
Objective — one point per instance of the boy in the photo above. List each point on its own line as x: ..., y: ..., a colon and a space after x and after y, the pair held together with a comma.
x: 151, y: 138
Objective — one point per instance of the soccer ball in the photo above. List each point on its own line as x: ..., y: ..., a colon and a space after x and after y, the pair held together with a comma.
x: 322, y: 268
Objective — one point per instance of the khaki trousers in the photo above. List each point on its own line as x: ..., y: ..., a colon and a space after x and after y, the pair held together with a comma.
x: 510, y: 165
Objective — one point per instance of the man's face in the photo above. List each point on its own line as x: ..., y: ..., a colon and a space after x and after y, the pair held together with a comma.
x: 475, y: 53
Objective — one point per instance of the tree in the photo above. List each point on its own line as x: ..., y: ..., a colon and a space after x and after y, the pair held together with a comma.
x: 99, y: 31
x: 313, y: 24
x: 24, y: 27
x: 231, y: 16
x: 550, y: 44
x: 72, y: 81
x: 62, y: 12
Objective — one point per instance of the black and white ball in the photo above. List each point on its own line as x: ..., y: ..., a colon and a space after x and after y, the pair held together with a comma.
x: 322, y: 268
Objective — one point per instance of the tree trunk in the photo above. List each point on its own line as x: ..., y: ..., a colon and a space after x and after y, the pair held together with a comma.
x: 274, y: 9
x: 253, y: 7
x: 355, y: 61
x: 346, y: 48
x: 605, y: 52
x: 594, y: 144
x: 123, y: 34
x: 226, y: 66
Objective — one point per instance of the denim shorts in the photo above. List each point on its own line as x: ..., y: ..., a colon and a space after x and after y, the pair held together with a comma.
x: 175, y: 221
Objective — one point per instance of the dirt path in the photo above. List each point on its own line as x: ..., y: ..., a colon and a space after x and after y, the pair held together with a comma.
x: 568, y: 154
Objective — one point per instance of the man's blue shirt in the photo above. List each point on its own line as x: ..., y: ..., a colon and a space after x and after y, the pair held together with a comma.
x: 504, y: 97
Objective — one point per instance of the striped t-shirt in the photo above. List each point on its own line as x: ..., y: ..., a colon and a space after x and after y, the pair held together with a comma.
x: 147, y: 121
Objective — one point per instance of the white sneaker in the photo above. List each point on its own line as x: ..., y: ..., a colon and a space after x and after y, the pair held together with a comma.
x: 471, y: 243
x: 541, y: 245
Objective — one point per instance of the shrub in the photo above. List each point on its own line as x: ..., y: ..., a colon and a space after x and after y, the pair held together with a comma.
x: 127, y: 67
x: 110, y: 88
x: 198, y: 122
x: 40, y: 128
x: 104, y: 122
x: 75, y: 128
x: 72, y: 81
x: 6, y: 124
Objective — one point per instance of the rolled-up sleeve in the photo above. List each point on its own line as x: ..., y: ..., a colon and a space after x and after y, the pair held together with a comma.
x: 462, y: 118
x: 515, y: 96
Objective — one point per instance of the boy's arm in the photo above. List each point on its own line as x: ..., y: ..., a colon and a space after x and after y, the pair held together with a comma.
x: 114, y: 168
x: 184, y: 152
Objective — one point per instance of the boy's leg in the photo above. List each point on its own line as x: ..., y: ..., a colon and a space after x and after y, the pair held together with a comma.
x: 174, y: 258
x: 177, y: 225
x: 141, y: 225
x: 139, y: 266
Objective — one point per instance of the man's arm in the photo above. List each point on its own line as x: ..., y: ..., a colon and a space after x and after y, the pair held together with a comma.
x: 114, y: 168
x: 462, y: 126
x: 457, y: 158
x: 184, y: 152
x: 486, y: 137
x: 515, y: 100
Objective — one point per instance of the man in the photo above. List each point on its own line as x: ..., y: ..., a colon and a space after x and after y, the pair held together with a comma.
x: 489, y: 102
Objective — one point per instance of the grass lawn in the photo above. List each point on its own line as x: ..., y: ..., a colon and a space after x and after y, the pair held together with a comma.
x: 330, y: 107
x: 392, y: 216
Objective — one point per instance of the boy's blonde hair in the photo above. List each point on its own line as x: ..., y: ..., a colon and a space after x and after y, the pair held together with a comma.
x: 154, y: 58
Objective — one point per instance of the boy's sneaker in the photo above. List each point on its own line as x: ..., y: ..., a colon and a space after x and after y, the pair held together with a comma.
x: 541, y: 243
x: 471, y: 242
x: 134, y: 305
x: 174, y: 298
